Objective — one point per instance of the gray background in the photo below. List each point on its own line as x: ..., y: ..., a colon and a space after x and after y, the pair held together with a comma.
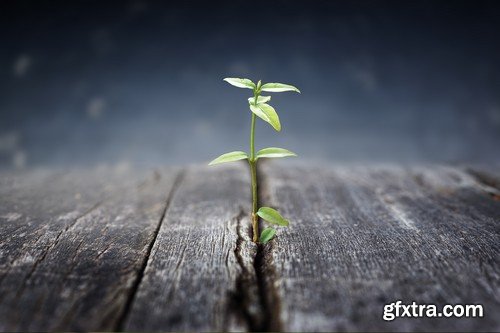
x: 87, y: 83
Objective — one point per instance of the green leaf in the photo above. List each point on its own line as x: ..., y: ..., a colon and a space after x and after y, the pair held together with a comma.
x: 260, y: 99
x: 266, y: 235
x: 240, y: 83
x: 272, y: 216
x: 278, y: 87
x: 229, y: 157
x: 267, y: 113
x: 273, y: 152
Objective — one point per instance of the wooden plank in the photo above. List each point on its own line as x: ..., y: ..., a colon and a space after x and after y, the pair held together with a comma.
x: 459, y: 190
x: 200, y: 275
x: 490, y: 171
x: 72, y: 245
x: 364, y: 237
x: 487, y: 177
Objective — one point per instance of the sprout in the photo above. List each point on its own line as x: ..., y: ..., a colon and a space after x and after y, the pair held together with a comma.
x: 259, y: 107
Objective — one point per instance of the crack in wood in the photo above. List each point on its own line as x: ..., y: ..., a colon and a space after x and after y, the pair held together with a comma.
x: 266, y: 273
x: 133, y: 292
x: 256, y: 299
x: 354, y: 240
x: 240, y: 300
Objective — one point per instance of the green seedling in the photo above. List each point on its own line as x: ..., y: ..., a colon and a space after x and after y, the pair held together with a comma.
x: 259, y: 107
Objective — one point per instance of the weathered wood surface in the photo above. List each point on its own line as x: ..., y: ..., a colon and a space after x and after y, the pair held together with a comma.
x: 72, y: 245
x: 365, y: 237
x: 200, y: 274
x: 169, y: 250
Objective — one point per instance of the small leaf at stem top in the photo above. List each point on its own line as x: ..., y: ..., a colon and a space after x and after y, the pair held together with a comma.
x: 260, y: 100
x: 278, y: 87
x: 230, y: 157
x: 240, y: 83
x: 267, y: 113
x: 273, y: 152
x: 272, y: 216
x: 266, y: 235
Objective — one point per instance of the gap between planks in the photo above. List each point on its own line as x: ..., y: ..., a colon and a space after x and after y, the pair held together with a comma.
x: 269, y: 316
x: 177, y: 182
x: 253, y: 288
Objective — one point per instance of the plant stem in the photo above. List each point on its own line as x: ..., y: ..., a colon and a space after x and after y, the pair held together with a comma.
x: 255, y: 218
x: 253, y: 172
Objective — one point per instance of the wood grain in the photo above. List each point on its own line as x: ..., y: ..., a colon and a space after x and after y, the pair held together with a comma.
x: 121, y: 249
x: 364, y: 237
x: 72, y: 245
x: 200, y: 274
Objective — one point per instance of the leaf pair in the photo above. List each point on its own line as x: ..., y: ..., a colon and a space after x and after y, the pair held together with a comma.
x: 270, y: 87
x: 270, y: 152
x: 260, y: 107
x: 272, y: 216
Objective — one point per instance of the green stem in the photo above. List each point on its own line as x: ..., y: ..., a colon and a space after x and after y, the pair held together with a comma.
x: 252, y: 139
x: 255, y: 218
x: 253, y: 172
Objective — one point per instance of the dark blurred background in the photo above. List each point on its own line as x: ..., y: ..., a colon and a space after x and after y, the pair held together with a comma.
x: 137, y: 82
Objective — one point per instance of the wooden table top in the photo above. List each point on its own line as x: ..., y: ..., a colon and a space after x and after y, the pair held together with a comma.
x: 107, y: 248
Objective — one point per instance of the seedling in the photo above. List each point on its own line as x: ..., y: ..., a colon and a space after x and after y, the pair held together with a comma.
x: 259, y: 107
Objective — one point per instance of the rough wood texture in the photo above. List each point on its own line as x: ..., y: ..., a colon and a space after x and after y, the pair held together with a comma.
x: 170, y: 250
x: 72, y: 245
x: 365, y: 237
x: 200, y: 274
x: 487, y: 177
